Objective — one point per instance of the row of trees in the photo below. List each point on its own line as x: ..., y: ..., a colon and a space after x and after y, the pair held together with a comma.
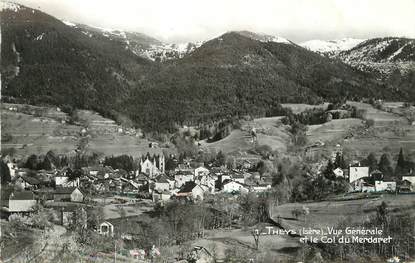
x: 385, y: 165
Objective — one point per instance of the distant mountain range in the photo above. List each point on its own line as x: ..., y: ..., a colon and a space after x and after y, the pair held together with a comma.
x: 382, y: 56
x: 331, y: 47
x: 158, y: 86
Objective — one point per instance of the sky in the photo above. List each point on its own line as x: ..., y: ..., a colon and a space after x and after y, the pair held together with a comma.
x: 196, y: 20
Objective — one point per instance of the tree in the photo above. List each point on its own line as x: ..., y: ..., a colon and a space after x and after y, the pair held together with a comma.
x: 32, y: 162
x: 339, y: 161
x: 220, y: 159
x: 385, y: 165
x: 371, y: 161
x: 328, y: 172
x: 5, y: 173
x: 400, y: 164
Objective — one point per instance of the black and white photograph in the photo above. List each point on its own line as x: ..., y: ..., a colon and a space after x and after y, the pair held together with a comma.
x: 220, y: 131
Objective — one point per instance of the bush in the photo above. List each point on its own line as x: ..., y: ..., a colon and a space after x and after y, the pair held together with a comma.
x: 370, y: 122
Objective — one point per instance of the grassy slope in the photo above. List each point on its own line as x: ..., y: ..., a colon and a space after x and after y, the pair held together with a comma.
x: 270, y: 132
x: 38, y: 135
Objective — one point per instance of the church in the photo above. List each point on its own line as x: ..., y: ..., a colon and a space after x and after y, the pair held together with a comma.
x: 151, y: 165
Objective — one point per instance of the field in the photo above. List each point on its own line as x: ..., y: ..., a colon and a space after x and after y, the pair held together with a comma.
x: 380, y: 118
x: 36, y: 130
x: 112, y: 206
x: 270, y: 131
x: 390, y: 132
x: 331, y: 213
x: 332, y: 131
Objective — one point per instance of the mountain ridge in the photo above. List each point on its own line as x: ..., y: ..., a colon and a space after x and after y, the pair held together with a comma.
x: 235, y: 74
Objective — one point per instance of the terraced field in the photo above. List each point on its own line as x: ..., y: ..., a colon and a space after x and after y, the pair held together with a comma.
x: 37, y: 130
x: 380, y: 118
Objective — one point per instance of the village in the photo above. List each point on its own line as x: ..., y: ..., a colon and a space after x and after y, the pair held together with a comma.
x: 123, y: 195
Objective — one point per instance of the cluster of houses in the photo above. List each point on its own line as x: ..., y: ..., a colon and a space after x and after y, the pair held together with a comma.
x: 64, y: 192
x: 362, y: 179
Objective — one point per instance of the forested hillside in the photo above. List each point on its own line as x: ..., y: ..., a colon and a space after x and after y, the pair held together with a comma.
x: 237, y: 75
x: 45, y: 61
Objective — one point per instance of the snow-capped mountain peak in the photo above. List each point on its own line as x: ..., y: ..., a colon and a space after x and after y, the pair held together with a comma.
x: 264, y: 37
x: 68, y: 23
x: 331, y: 47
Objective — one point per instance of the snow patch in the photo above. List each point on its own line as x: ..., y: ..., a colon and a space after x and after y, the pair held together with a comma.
x: 69, y: 23
x: 168, y: 51
x: 39, y: 37
x: 397, y: 52
x: 331, y: 46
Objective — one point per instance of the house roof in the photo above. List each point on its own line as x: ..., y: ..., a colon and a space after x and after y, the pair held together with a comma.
x: 142, y: 176
x: 187, y: 187
x: 238, y: 175
x: 30, y: 180
x: 65, y: 190
x: 231, y: 181
x: 22, y: 195
x: 184, y: 172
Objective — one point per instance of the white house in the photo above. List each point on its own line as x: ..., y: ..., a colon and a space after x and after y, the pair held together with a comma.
x: 234, y: 187
x: 261, y: 188
x: 191, y: 191
x: 201, y: 171
x: 12, y: 168
x: 161, y: 184
x: 240, y: 178
x: 409, y: 178
x: 161, y: 196
x: 106, y: 229
x: 381, y: 186
x: 21, y: 201
x: 64, y: 181
x: 357, y: 172
x: 208, y: 181
x: 68, y: 194
x: 362, y: 185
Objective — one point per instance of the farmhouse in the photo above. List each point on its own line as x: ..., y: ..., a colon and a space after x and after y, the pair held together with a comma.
x: 381, y: 186
x: 405, y: 186
x: 162, y: 183
x: 234, y: 187
x: 21, y: 202
x: 358, y: 172
x: 27, y: 182
x: 68, y: 194
x: 363, y: 184
x: 191, y: 191
x: 410, y: 178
